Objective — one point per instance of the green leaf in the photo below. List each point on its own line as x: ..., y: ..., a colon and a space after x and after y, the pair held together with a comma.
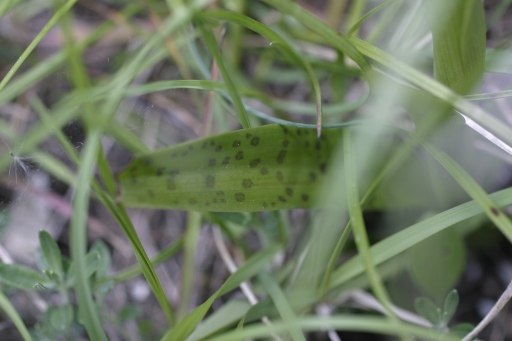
x: 458, y: 33
x: 104, y: 258
x: 436, y: 264
x: 266, y: 168
x: 254, y: 265
x: 428, y: 309
x: 450, y: 305
x: 61, y: 317
x: 22, y: 277
x: 92, y: 263
x: 462, y: 329
x: 51, y: 252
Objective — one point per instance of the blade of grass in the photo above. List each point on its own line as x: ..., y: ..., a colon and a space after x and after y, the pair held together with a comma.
x: 333, y: 37
x: 283, y: 45
x: 12, y: 313
x: 6, y: 5
x: 436, y: 89
x: 474, y: 190
x: 282, y: 305
x: 359, y: 228
x: 338, y: 322
x: 403, y: 240
x: 162, y: 256
x: 458, y: 34
x: 189, y: 260
x: 212, y: 45
x: 78, y: 238
x: 55, y: 18
x: 252, y: 266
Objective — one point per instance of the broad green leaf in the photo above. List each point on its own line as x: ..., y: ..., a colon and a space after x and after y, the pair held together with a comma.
x: 266, y: 168
x: 22, y: 277
x: 92, y: 263
x: 61, y: 317
x: 428, y: 309
x: 458, y: 34
x: 51, y: 252
x: 450, y: 305
x: 104, y: 258
x: 436, y: 263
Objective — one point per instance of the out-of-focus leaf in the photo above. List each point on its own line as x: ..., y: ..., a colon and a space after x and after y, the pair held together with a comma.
x: 458, y: 33
x: 450, y: 305
x: 51, y: 252
x: 21, y: 277
x: 435, y: 264
x: 428, y: 309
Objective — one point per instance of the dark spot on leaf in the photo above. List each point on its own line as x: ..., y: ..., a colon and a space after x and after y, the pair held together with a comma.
x: 279, y: 176
x: 151, y: 193
x: 306, y: 144
x: 306, y: 132
x: 192, y: 201
x: 215, y: 200
x: 254, y: 163
x: 174, y: 172
x: 225, y: 162
x: 220, y: 193
x: 247, y: 183
x: 239, y: 155
x: 236, y: 143
x: 323, y: 167
x: 210, y: 181
x: 147, y: 161
x: 222, y: 200
x: 289, y: 191
x: 207, y: 203
x: 318, y: 145
x: 312, y: 176
x: 218, y: 149
x: 255, y: 140
x: 281, y: 156
x: 264, y: 170
x: 248, y: 136
x: 286, y: 143
x: 285, y: 130
x: 281, y: 198
x: 273, y: 204
x: 190, y: 147
x: 184, y: 153
x: 239, y: 197
x: 495, y: 211
x: 173, y: 155
x: 212, y: 162
x: 204, y: 145
x: 212, y: 143
x: 133, y: 180
x: 265, y: 205
x: 171, y: 185
x: 299, y: 131
x: 305, y: 197
x: 160, y: 171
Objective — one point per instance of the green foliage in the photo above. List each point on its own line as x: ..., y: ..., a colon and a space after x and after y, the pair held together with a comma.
x: 436, y: 264
x: 279, y: 62
x: 440, y: 317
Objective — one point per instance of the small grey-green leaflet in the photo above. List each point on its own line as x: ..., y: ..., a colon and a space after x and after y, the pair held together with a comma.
x: 271, y: 167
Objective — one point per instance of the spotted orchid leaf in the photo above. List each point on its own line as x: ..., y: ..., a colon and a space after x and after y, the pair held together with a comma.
x: 265, y: 168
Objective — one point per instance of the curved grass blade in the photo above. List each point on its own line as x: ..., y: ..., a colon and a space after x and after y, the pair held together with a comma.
x: 266, y: 168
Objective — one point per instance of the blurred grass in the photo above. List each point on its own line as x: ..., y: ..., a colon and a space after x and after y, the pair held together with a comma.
x: 287, y: 62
